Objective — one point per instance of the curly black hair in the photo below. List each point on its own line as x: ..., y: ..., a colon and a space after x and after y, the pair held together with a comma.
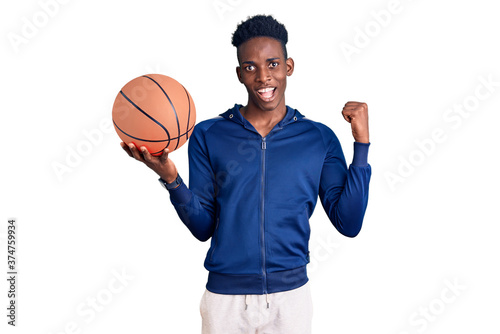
x: 260, y: 26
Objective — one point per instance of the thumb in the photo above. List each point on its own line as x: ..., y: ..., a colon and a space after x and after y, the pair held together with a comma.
x: 347, y: 117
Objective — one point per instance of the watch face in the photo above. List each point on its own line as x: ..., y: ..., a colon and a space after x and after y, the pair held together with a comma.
x: 163, y: 183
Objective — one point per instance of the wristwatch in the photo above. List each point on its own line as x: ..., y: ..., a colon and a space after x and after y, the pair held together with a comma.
x: 177, y: 182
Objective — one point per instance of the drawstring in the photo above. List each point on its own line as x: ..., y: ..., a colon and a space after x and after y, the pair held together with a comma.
x: 247, y: 301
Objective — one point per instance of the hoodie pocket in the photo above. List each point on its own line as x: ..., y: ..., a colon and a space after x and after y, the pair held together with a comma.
x: 288, y: 237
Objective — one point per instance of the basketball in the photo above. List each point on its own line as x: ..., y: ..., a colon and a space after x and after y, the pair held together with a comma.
x: 154, y: 111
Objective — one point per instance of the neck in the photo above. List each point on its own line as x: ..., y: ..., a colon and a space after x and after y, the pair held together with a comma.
x: 254, y: 114
x: 263, y: 120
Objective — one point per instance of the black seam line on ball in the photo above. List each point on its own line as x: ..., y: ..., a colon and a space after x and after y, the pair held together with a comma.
x: 149, y: 140
x: 173, y: 108
x: 146, y: 114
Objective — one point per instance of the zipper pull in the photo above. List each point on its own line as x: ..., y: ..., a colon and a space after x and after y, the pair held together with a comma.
x: 263, y: 144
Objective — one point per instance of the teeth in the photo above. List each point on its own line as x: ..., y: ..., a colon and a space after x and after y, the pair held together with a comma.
x: 265, y: 90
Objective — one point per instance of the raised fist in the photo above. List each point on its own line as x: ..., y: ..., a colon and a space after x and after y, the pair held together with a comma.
x: 356, y: 113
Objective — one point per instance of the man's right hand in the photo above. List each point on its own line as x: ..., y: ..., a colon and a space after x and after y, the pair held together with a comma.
x: 162, y: 165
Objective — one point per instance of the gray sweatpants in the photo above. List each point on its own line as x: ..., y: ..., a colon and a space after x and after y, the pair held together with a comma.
x: 287, y: 312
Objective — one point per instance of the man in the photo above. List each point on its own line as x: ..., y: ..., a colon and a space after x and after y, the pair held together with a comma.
x: 255, y: 173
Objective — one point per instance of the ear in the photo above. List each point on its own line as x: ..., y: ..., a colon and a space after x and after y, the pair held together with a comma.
x: 290, y: 65
x: 238, y: 73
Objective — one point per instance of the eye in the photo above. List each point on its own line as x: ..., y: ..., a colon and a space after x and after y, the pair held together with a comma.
x: 273, y: 64
x: 249, y: 68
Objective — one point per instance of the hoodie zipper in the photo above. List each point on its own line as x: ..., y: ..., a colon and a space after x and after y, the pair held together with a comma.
x: 263, y: 177
x: 262, y: 219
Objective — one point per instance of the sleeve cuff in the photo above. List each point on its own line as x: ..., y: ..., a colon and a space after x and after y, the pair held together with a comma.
x: 181, y: 194
x: 360, y: 157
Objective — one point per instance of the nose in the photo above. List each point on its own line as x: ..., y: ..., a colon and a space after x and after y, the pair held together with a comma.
x: 264, y: 75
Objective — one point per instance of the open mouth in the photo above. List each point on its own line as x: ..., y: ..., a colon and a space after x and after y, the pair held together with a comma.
x: 267, y: 94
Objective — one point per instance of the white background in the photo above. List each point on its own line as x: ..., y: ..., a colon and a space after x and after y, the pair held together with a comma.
x: 434, y: 226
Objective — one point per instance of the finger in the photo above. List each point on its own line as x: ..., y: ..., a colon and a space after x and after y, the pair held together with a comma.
x: 357, y: 105
x: 126, y: 149
x: 135, y: 152
x: 353, y: 110
x: 145, y: 154
x: 164, y: 156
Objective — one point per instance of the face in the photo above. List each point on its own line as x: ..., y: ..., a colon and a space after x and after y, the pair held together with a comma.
x: 263, y: 70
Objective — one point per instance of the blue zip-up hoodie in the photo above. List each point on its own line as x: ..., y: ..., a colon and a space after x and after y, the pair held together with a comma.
x: 254, y: 196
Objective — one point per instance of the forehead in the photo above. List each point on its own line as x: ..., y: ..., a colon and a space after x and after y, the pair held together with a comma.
x: 260, y: 48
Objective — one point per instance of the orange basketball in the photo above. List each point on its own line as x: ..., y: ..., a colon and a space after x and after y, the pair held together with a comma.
x: 154, y: 111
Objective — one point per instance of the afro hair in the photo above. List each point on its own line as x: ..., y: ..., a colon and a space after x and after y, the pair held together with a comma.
x: 260, y: 26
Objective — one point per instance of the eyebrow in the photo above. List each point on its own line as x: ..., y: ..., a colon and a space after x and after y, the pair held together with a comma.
x: 252, y: 62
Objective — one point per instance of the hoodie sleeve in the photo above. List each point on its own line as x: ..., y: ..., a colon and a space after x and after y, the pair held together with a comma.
x: 344, y: 192
x: 196, y: 205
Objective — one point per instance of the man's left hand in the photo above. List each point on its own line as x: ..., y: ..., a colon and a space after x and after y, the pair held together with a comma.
x: 356, y: 113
